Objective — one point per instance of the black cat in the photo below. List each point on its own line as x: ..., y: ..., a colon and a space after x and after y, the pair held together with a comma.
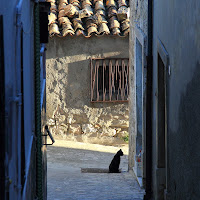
x: 114, y: 165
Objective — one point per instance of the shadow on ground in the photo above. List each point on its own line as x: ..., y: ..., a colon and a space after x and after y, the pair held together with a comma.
x: 65, y: 180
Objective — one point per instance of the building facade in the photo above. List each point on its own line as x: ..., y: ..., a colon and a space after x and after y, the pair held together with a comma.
x: 176, y: 72
x: 170, y: 114
x: 87, y: 71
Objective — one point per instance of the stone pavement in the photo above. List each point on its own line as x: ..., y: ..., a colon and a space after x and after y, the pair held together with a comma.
x: 65, y: 180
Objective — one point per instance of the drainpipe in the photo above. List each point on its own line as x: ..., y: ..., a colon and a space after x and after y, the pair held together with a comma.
x: 18, y: 98
x: 148, y: 188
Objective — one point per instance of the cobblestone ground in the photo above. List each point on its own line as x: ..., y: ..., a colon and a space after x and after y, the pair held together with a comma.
x: 65, y: 180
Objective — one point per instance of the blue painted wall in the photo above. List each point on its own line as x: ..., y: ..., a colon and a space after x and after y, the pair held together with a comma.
x: 8, y: 10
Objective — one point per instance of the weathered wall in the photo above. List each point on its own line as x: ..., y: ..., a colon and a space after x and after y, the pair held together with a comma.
x: 69, y: 109
x: 141, y: 14
x: 176, y: 24
x: 11, y: 50
x: 138, y: 18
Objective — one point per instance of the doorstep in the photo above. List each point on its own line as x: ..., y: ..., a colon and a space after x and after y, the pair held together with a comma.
x: 139, y: 179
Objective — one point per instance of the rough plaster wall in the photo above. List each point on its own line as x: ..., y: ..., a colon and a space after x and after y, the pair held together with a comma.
x: 176, y: 24
x: 132, y: 97
x: 141, y: 14
x: 68, y: 89
x: 138, y: 64
x: 138, y: 16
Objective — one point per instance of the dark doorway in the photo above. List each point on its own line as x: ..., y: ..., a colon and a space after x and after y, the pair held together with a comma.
x: 161, y: 129
x: 161, y: 114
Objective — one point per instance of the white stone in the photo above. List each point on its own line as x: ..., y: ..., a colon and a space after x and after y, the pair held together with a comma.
x: 88, y: 128
x: 51, y: 122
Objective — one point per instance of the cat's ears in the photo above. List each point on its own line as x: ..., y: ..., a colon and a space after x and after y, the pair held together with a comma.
x: 120, y: 151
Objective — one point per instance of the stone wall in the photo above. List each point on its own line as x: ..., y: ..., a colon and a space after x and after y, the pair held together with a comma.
x: 69, y: 110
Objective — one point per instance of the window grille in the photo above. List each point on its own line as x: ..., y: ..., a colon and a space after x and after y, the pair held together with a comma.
x: 109, y: 80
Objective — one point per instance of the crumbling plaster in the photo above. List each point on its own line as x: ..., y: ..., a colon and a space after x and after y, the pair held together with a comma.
x: 69, y: 110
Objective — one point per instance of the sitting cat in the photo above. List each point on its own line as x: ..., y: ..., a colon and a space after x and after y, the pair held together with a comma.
x: 114, y: 165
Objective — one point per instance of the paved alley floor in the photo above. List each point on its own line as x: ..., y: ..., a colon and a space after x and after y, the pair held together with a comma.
x: 66, y: 182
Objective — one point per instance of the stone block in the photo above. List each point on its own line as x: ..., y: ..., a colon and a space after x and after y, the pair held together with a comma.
x: 59, y: 119
x: 120, y: 123
x: 88, y: 128
x: 51, y: 122
x: 108, y: 132
x: 75, y: 129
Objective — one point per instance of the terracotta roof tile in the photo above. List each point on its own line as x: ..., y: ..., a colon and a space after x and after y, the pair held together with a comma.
x: 87, y: 17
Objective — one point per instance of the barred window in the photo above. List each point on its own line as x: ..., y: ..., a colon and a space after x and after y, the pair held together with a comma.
x: 109, y: 79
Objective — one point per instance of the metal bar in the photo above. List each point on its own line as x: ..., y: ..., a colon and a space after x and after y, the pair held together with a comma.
x: 91, y: 71
x: 128, y: 79
x: 123, y: 71
x: 110, y: 67
x: 91, y: 83
x: 125, y: 81
x: 93, y: 79
x: 97, y: 77
x: 117, y: 101
x: 118, y: 79
x: 114, y: 72
x: 49, y: 134
x: 104, y: 89
x: 112, y: 79
x: 110, y: 58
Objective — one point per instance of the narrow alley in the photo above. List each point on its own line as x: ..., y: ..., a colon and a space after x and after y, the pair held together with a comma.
x: 99, y: 76
x: 66, y: 182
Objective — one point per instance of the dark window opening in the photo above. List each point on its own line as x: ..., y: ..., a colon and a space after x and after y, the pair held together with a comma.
x: 103, y: 79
